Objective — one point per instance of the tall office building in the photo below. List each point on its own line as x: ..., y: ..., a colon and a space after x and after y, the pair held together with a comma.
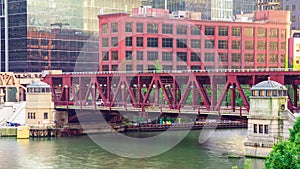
x: 294, y: 7
x: 244, y: 6
x: 48, y: 34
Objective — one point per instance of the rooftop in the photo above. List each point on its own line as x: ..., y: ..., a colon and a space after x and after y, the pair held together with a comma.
x: 268, y: 85
x: 38, y: 84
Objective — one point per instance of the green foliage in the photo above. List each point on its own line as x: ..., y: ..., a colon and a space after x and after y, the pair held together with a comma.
x: 286, y: 154
x: 158, y: 66
x: 247, y: 164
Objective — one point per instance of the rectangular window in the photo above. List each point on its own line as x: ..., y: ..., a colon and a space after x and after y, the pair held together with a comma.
x: 249, y: 45
x: 104, y: 28
x: 105, y: 68
x: 273, y: 46
x: 128, y: 55
x: 195, y: 30
x: 45, y: 115
x: 128, y: 67
x: 273, y: 58
x: 223, y: 31
x: 139, y: 27
x: 209, y: 57
x: 273, y: 33
x: 167, y: 42
x: 236, y: 44
x: 152, y: 42
x: 282, y: 45
x: 282, y: 58
x: 114, y: 41
x: 152, y: 28
x: 209, y: 31
x: 195, y: 67
x: 261, y: 128
x: 152, y: 55
x: 222, y: 44
x: 114, y: 27
x: 261, y: 58
x: 167, y: 67
x: 182, y: 56
x: 128, y: 27
x: 249, y: 57
x: 181, y: 29
x: 181, y: 67
x: 105, y: 56
x: 195, y: 43
x: 114, y: 55
x: 128, y: 41
x: 282, y: 32
x: 261, y: 45
x: 139, y: 55
x: 104, y: 42
x: 236, y: 57
x: 254, y: 128
x: 167, y: 56
x: 195, y: 57
x: 181, y: 43
x: 223, y: 57
x: 167, y: 29
x: 261, y: 32
x: 236, y: 31
x: 209, y: 44
x: 139, y: 41
x: 139, y: 67
x: 249, y: 33
x: 266, y: 129
x: 114, y: 67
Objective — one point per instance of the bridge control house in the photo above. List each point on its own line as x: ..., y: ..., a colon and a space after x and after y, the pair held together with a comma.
x: 181, y: 41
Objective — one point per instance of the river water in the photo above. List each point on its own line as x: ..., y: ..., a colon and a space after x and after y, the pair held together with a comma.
x: 81, y: 152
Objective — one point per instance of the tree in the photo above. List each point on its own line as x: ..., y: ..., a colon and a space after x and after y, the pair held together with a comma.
x: 286, y: 154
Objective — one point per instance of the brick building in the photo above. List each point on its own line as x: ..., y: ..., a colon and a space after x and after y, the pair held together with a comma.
x: 139, y: 41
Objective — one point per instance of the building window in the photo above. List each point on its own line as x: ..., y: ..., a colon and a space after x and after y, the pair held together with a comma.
x: 181, y: 43
x: 114, y: 55
x: 128, y: 27
x: 249, y: 57
x: 282, y: 45
x: 139, y: 41
x: 236, y: 31
x: 293, y: 19
x: 182, y: 56
x: 128, y: 55
x: 104, y: 67
x: 261, y: 45
x: 104, y: 42
x: 209, y: 57
x: 167, y: 29
x: 152, y: 28
x: 273, y: 58
x: 167, y: 42
x: 139, y: 27
x: 223, y: 31
x: 260, y: 129
x: 167, y: 67
x: 152, y: 42
x: 105, y: 56
x: 139, y: 67
x: 195, y: 67
x: 167, y: 56
x: 128, y: 67
x: 282, y: 32
x: 139, y: 55
x: 209, y: 30
x: 249, y: 45
x: 209, y: 44
x: 195, y: 30
x: 114, y: 41
x: 195, y: 57
x: 151, y: 67
x: 195, y: 43
x: 114, y: 27
x: 181, y: 67
x: 222, y: 44
x: 282, y: 58
x: 273, y: 46
x: 128, y: 41
x: 181, y: 29
x: 45, y: 115
x: 261, y: 32
x: 266, y: 129
x: 152, y: 55
x: 254, y: 128
x: 223, y: 57
x: 249, y: 33
x: 273, y: 33
x: 293, y: 7
x: 104, y: 28
x: 236, y: 44
x: 261, y: 58
x: 236, y: 57
x: 31, y: 115
x: 114, y: 67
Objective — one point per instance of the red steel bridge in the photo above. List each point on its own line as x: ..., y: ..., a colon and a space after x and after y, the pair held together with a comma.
x: 221, y: 92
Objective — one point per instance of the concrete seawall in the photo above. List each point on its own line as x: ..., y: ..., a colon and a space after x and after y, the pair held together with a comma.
x: 8, y: 132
